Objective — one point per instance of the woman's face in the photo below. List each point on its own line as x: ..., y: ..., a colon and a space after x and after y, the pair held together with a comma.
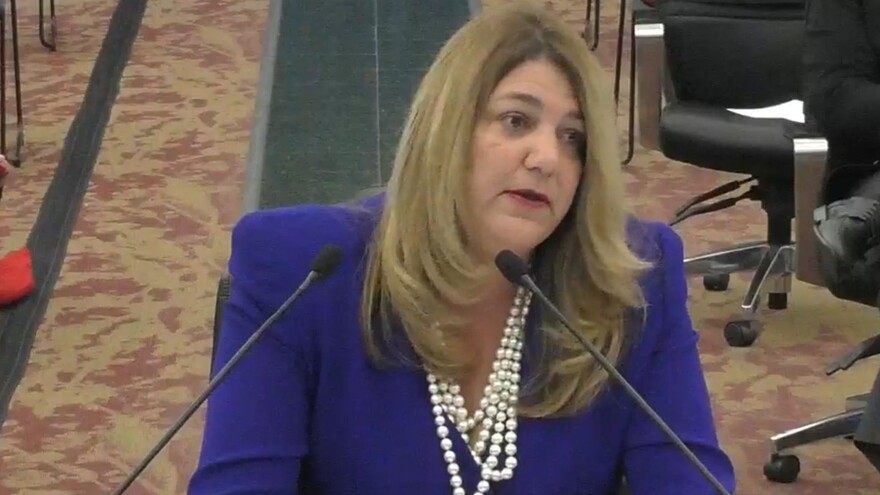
x: 526, y: 161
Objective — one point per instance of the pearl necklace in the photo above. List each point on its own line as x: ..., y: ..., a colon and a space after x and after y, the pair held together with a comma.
x: 497, y: 412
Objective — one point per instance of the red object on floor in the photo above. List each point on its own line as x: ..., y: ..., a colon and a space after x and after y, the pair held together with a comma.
x: 5, y: 167
x: 16, y: 276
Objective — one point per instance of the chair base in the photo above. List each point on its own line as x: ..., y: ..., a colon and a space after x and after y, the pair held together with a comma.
x: 784, y: 467
x: 773, y: 266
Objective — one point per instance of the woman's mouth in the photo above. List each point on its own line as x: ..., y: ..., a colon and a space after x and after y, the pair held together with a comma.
x: 529, y: 197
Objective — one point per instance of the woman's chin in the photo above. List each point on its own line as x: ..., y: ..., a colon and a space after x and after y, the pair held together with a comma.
x: 522, y: 245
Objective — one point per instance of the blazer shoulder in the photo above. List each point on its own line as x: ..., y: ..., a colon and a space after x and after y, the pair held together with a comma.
x: 301, y: 231
x: 273, y: 249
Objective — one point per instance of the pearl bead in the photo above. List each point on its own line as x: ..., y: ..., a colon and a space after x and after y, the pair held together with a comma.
x: 496, y: 411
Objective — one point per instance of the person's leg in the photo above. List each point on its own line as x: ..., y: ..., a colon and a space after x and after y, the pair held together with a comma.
x: 869, y: 188
x: 850, y: 225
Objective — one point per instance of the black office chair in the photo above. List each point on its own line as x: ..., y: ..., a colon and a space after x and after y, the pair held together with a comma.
x: 50, y: 32
x: 695, y: 60
x: 14, y: 156
x: 783, y: 466
x: 593, y: 13
x: 642, y: 11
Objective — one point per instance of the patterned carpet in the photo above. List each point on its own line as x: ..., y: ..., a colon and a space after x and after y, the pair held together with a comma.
x: 126, y: 339
x: 125, y: 343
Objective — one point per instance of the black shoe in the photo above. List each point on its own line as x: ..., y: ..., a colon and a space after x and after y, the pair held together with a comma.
x: 849, y: 228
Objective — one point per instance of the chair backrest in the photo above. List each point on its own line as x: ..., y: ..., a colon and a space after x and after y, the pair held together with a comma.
x: 734, y: 53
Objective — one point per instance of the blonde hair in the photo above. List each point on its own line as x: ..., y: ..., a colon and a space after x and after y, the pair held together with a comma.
x: 418, y: 267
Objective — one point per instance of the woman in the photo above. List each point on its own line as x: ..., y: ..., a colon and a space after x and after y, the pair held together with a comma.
x: 416, y: 367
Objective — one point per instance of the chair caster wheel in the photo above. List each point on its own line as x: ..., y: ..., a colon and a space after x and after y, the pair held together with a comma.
x: 740, y: 333
x: 717, y: 282
x: 782, y: 468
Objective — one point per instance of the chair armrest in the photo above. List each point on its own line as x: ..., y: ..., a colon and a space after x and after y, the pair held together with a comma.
x: 650, y: 61
x: 643, y: 13
x: 810, y: 156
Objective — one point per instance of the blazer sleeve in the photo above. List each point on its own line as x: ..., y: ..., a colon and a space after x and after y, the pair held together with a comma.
x: 257, y: 420
x: 672, y: 382
x: 842, y: 73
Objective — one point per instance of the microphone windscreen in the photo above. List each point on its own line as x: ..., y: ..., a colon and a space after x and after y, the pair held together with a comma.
x: 511, y: 266
x: 326, y: 262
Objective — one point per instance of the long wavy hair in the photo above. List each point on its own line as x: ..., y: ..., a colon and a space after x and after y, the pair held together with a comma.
x: 418, y: 267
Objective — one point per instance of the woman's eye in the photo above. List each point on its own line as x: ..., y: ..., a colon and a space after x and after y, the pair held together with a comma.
x: 515, y: 121
x: 573, y: 136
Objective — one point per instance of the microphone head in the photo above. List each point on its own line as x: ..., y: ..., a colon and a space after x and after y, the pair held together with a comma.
x: 327, y: 261
x: 511, y: 266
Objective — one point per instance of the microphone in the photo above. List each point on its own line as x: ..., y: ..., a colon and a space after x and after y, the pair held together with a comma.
x: 516, y: 271
x: 323, y: 265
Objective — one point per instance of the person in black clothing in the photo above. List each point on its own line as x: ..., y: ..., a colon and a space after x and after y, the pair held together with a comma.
x: 842, y: 71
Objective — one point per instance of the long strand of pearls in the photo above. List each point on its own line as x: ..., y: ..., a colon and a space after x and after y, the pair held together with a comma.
x: 496, y: 416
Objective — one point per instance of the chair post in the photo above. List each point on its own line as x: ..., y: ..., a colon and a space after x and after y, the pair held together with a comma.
x: 810, y: 155
x: 15, y: 159
x: 594, y: 15
x: 650, y: 60
x: 3, y: 81
x: 48, y: 41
